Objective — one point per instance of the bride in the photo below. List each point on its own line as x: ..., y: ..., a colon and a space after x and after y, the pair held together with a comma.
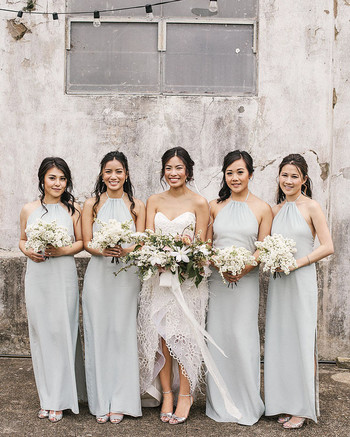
x: 170, y: 328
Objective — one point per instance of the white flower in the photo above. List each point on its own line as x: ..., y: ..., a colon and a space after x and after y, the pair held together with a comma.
x: 180, y: 254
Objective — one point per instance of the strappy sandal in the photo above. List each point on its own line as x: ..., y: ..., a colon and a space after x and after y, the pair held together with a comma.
x: 55, y: 416
x: 297, y: 425
x: 102, y: 419
x: 165, y: 417
x: 178, y: 419
x: 283, y: 418
x: 116, y: 417
x: 43, y: 414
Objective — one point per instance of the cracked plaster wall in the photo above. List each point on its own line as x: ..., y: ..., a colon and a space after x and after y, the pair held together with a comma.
x: 300, y: 63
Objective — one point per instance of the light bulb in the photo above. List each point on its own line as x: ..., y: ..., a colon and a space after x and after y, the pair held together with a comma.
x: 97, y: 22
x: 213, y: 5
x: 55, y: 19
x: 149, y: 12
x: 18, y: 18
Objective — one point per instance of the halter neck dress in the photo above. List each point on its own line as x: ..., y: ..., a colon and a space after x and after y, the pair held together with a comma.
x: 232, y: 321
x: 291, y: 322
x: 52, y: 300
x: 109, y: 313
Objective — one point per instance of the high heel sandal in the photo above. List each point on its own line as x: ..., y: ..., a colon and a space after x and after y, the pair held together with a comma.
x: 116, y: 417
x: 54, y: 417
x: 289, y: 425
x: 102, y: 419
x: 43, y: 414
x: 181, y: 419
x: 165, y: 417
x: 283, y: 418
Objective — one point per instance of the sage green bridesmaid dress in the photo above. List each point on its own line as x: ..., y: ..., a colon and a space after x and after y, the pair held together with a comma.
x: 52, y: 301
x: 232, y: 321
x: 291, y: 322
x: 109, y: 314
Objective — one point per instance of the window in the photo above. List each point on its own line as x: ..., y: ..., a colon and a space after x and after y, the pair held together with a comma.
x: 182, y: 51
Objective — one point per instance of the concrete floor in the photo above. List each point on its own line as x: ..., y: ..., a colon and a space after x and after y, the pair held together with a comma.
x: 19, y: 405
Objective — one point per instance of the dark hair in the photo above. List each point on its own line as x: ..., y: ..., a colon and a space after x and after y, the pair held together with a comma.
x: 100, y: 186
x: 67, y: 197
x: 231, y: 157
x: 299, y: 162
x: 181, y: 153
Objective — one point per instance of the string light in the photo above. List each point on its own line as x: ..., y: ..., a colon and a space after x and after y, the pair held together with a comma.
x: 149, y: 12
x: 97, y: 22
x: 55, y: 19
x: 129, y: 8
x: 213, y: 5
x: 19, y: 16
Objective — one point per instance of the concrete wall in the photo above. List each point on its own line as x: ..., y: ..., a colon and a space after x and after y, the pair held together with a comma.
x: 303, y: 73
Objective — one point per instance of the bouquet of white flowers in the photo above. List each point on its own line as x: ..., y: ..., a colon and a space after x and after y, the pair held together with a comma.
x: 175, y: 253
x: 276, y: 252
x: 232, y: 259
x: 111, y: 234
x: 42, y: 234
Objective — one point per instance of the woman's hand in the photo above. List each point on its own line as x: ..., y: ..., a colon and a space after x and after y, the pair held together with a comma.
x: 235, y: 278
x: 35, y: 256
x: 51, y: 251
x: 116, y: 251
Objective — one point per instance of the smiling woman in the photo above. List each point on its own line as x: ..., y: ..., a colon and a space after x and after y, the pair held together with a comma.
x: 109, y: 303
x: 239, y: 218
x: 52, y: 295
x: 291, y: 387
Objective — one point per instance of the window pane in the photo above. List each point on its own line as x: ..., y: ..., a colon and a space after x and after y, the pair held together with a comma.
x: 226, y: 9
x: 209, y: 58
x: 113, y: 57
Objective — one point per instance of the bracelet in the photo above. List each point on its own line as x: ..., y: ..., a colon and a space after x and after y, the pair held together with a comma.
x: 307, y: 256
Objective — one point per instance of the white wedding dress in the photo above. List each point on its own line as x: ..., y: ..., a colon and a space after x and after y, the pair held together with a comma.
x: 175, y: 313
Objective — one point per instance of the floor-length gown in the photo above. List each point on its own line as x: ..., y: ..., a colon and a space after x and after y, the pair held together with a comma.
x: 175, y: 313
x: 109, y: 314
x: 232, y: 321
x: 291, y: 322
x: 52, y: 300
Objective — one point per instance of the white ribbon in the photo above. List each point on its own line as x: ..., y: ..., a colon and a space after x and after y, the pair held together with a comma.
x: 170, y: 280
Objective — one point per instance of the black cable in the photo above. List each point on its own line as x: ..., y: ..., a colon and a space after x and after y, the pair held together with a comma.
x: 91, y: 12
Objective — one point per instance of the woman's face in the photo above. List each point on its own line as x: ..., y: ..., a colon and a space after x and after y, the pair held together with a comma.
x: 55, y: 182
x: 237, y: 176
x: 291, y: 180
x: 175, y: 172
x: 114, y: 175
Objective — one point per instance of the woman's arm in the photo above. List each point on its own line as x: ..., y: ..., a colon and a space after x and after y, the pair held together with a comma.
x: 325, y: 248
x: 151, y: 210
x: 202, y: 218
x: 87, y: 222
x: 34, y: 256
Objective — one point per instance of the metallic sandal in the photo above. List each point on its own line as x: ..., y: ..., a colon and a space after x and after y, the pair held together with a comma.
x: 43, y: 414
x: 181, y: 419
x: 289, y: 425
x: 165, y: 417
x: 54, y: 417
x: 102, y: 419
x: 116, y: 417
x: 283, y: 418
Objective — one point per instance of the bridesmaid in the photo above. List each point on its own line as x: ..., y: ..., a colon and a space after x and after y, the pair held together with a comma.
x: 291, y: 315
x: 110, y: 303
x: 239, y: 218
x: 51, y: 291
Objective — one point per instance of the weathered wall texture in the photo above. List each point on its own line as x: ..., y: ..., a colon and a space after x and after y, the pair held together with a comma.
x: 303, y: 57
